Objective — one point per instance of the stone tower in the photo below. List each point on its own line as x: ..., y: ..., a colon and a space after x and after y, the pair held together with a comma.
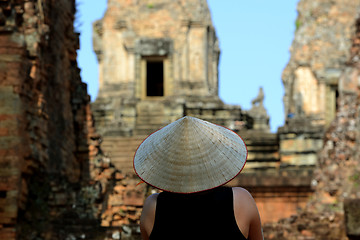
x: 158, y: 60
x: 318, y: 54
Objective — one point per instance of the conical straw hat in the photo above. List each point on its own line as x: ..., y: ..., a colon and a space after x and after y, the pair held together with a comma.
x: 190, y: 155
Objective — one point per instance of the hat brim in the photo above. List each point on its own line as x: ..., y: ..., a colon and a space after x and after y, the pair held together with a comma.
x: 190, y: 155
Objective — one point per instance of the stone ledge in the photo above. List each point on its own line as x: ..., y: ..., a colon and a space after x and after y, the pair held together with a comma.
x: 273, y: 179
x: 301, y: 125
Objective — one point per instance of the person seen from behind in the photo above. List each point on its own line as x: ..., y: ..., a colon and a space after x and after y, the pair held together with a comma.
x: 190, y: 160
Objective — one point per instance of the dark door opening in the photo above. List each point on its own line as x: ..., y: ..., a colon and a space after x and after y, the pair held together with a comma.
x: 154, y: 78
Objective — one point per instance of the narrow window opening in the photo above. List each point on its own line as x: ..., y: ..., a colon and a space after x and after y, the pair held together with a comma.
x: 154, y: 78
x: 336, y: 98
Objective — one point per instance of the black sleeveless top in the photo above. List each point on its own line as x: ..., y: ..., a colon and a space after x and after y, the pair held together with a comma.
x: 205, y: 215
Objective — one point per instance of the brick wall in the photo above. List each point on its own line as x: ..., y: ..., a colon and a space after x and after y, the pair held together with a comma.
x: 44, y: 127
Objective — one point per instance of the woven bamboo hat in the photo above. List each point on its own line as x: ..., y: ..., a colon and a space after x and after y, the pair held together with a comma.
x: 190, y: 155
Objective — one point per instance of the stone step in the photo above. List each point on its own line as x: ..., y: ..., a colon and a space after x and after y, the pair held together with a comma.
x: 121, y: 151
x: 263, y: 157
x: 119, y: 155
x: 113, y: 152
x: 149, y: 126
x: 257, y: 165
x: 118, y: 149
x: 150, y: 120
x: 268, y: 148
x: 112, y: 139
x: 122, y: 162
x: 123, y: 145
x: 144, y: 131
x: 147, y: 129
x: 150, y: 112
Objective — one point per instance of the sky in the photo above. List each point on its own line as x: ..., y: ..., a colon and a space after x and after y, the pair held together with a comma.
x: 254, y: 36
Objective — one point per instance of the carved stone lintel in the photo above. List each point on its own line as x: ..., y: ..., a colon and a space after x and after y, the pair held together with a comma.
x: 153, y: 47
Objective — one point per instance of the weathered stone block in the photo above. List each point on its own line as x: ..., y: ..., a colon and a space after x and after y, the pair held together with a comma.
x: 9, y: 101
x: 299, y: 159
x: 352, y: 218
x: 154, y: 47
x: 7, y: 142
x: 299, y: 144
x: 10, y: 165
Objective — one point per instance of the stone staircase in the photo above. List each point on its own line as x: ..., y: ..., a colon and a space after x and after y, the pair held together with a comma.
x: 150, y: 117
x: 121, y: 151
x: 263, y: 150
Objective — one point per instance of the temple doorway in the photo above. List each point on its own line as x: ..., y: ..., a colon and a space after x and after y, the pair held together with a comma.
x: 154, y: 78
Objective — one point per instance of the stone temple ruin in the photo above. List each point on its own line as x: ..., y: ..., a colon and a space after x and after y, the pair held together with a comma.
x: 66, y: 167
x: 158, y: 61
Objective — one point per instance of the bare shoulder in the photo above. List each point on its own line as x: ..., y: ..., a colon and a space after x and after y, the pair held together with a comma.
x: 240, y: 190
x: 148, y: 215
x: 245, y: 208
x: 151, y: 200
x: 244, y: 203
x: 241, y: 193
x: 150, y: 205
